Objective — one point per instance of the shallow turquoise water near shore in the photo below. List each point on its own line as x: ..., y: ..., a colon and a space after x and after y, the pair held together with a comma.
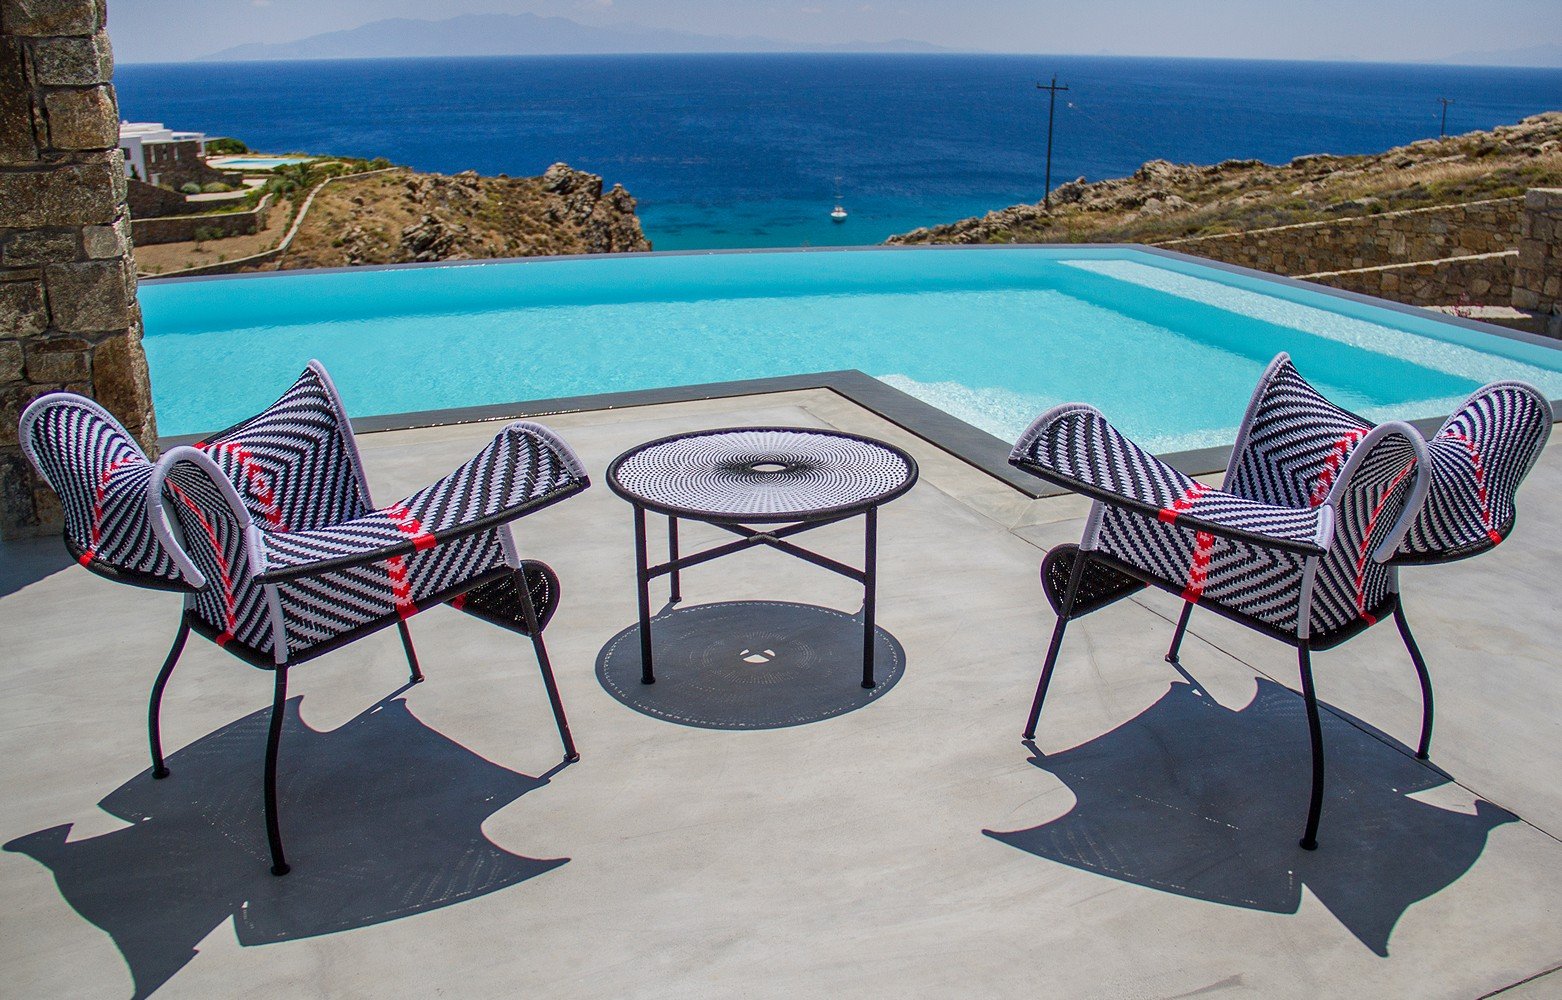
x: 1168, y: 349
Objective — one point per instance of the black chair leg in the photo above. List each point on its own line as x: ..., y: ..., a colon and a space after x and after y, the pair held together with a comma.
x: 279, y: 865
x: 412, y: 654
x: 1424, y: 749
x: 1075, y: 576
x: 1315, y: 731
x: 529, y: 613
x: 154, y: 712
x: 1182, y: 628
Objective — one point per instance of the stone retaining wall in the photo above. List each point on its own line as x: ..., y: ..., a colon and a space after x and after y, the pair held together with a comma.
x: 1537, y: 281
x: 184, y: 228
x: 149, y: 201
x: 1476, y: 227
x: 68, y: 312
x: 1478, y: 279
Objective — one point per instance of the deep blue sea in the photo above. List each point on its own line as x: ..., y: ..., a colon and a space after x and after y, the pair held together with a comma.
x: 744, y: 150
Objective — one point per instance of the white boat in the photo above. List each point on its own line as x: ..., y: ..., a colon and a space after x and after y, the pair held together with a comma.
x: 838, y: 213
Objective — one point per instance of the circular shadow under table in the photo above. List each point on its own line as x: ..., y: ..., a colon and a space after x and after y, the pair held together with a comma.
x: 750, y: 665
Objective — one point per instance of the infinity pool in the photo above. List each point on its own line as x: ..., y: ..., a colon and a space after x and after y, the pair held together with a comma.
x: 1167, y: 347
x: 256, y: 162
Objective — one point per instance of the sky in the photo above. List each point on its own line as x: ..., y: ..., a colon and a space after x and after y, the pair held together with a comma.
x: 1378, y: 30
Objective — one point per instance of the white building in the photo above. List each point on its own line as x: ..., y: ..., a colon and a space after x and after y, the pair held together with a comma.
x: 136, y: 137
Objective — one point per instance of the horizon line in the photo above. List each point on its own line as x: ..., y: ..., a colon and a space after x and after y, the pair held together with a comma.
x: 1344, y: 60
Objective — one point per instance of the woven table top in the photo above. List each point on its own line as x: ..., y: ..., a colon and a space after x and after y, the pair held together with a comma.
x: 762, y: 474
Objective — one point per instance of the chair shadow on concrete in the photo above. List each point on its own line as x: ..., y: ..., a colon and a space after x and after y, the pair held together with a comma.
x: 1207, y: 802
x: 383, y: 818
x: 27, y: 561
x: 750, y: 665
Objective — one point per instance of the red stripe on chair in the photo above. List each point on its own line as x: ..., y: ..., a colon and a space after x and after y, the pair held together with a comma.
x: 401, y: 588
x: 99, y: 495
x: 229, y: 602
x: 1481, y: 496
x: 257, y: 481
x: 1366, y: 546
x: 1198, y: 570
x: 421, y: 538
x: 1331, y: 465
x: 1182, y: 504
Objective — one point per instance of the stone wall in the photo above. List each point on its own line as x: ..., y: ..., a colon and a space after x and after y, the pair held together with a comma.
x: 1444, y: 231
x: 68, y: 313
x: 1537, y: 281
x: 184, y: 228
x: 175, y: 164
x: 1476, y: 279
x: 148, y: 201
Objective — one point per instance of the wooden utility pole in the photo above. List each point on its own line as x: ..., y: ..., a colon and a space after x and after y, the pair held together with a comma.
x: 1052, y: 107
x: 1442, y: 130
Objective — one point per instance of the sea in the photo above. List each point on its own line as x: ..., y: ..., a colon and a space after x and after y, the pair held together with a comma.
x: 755, y: 150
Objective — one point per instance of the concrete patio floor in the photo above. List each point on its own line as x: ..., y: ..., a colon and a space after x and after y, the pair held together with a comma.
x: 1144, y: 847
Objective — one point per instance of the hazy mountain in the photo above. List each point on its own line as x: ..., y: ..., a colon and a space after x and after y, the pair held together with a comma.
x: 1544, y: 56
x: 524, y: 34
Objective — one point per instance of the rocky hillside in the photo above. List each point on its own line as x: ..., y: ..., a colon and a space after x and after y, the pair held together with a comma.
x: 1164, y: 201
x: 400, y: 216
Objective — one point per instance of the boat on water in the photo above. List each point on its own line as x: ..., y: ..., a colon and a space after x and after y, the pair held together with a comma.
x: 838, y: 214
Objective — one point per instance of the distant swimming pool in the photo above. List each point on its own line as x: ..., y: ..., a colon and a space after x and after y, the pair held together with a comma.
x: 257, y: 162
x: 1167, y: 347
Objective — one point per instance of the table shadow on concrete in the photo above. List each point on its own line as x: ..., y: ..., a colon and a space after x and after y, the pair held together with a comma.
x: 750, y: 665
x: 1207, y: 802
x: 381, y: 818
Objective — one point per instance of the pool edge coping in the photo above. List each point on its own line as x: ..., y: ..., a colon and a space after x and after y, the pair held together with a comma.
x: 986, y: 453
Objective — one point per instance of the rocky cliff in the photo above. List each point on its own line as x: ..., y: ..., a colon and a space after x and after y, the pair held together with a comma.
x: 399, y: 217
x: 1165, y: 201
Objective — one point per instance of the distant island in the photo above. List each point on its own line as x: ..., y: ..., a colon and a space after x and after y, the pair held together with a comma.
x: 524, y: 35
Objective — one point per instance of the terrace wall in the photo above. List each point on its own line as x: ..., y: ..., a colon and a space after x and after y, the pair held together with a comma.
x: 68, y: 312
x: 149, y: 201
x: 1477, y: 279
x: 1537, y: 281
x: 1477, y: 227
x: 216, y: 226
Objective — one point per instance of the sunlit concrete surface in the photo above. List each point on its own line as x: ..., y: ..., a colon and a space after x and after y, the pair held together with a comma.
x: 910, y: 846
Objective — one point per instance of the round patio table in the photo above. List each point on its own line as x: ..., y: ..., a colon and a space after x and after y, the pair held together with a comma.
x: 787, y: 480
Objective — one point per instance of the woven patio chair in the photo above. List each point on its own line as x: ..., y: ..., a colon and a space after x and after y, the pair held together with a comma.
x: 1303, y: 543
x: 100, y: 474
x: 269, y: 530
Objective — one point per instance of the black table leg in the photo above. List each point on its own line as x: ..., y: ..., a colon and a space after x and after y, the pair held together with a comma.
x: 672, y: 557
x: 869, y: 598
x: 643, y: 581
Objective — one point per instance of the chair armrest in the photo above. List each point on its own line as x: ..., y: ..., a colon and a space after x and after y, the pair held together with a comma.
x: 524, y: 469
x: 1074, y: 446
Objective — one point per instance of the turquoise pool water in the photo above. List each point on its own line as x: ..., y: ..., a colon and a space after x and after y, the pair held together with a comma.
x: 258, y: 162
x: 1168, y: 349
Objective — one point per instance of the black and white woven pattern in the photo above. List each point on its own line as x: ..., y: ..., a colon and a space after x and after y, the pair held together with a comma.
x: 1309, y: 485
x: 762, y: 474
x: 261, y: 512
x: 1075, y: 447
x: 1293, y: 442
x: 100, y: 474
x: 295, y: 464
x: 525, y: 466
x: 1479, y: 458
